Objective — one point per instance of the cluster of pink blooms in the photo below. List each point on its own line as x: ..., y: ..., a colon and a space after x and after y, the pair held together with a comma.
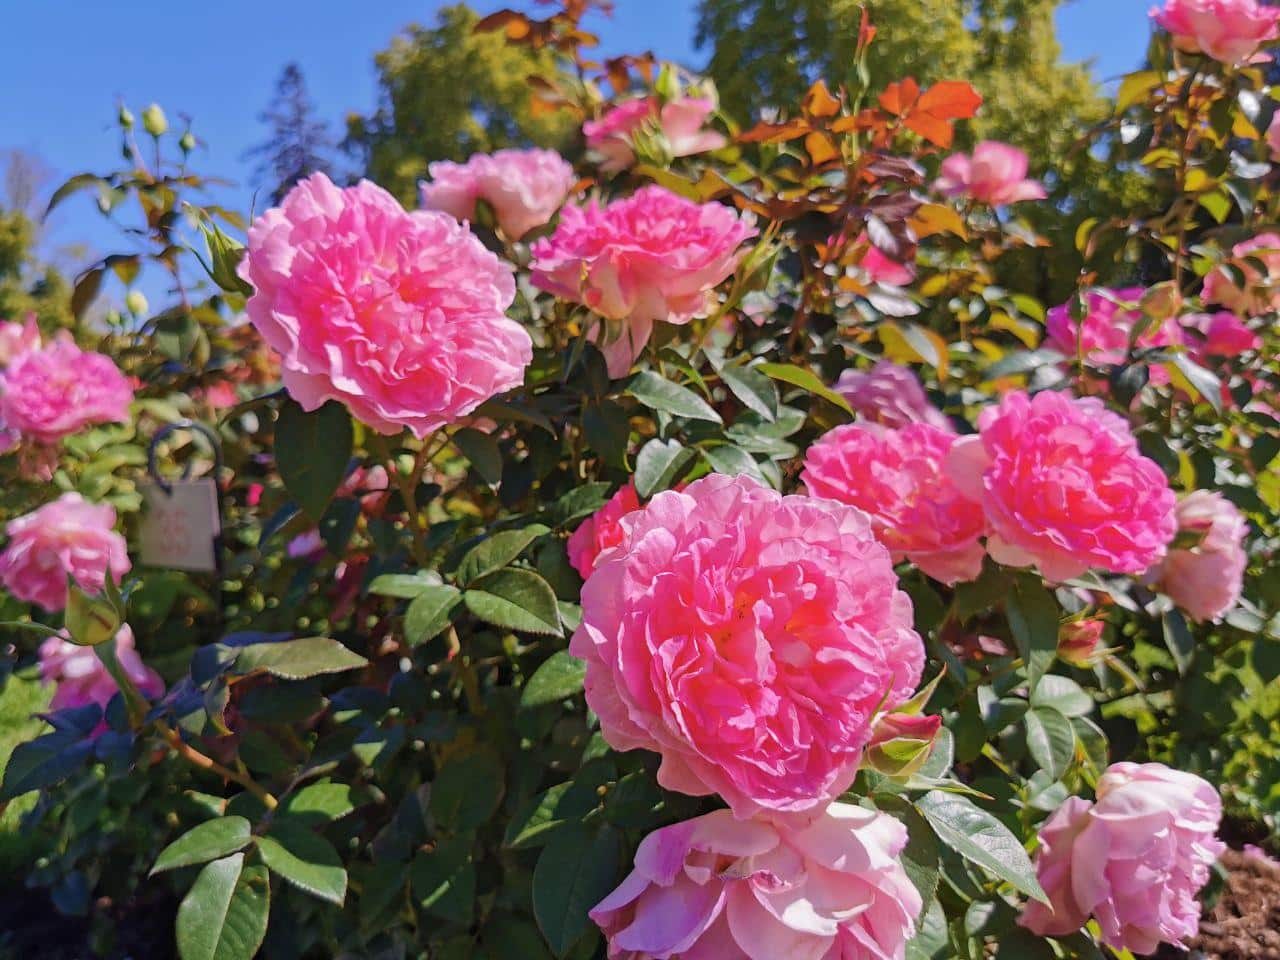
x: 994, y: 174
x: 1102, y: 335
x: 889, y: 394
x: 1230, y: 31
x: 524, y: 188
x: 1249, y: 291
x: 751, y: 639
x: 68, y: 537
x: 1134, y: 859
x: 51, y: 391
x: 398, y: 315
x: 646, y: 259
x: 80, y: 677
x: 680, y: 121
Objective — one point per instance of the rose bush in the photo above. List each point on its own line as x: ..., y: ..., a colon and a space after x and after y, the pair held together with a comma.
x: 744, y: 556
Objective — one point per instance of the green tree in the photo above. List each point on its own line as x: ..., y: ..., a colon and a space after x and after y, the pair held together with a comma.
x: 448, y: 92
x: 26, y: 285
x: 767, y: 52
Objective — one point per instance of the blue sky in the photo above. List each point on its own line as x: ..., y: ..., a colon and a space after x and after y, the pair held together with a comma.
x: 65, y: 63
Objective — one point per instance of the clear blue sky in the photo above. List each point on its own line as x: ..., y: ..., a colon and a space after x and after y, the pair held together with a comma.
x: 65, y: 63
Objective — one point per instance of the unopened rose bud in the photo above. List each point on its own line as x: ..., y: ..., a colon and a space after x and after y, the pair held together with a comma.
x: 137, y: 303
x: 668, y: 85
x: 153, y: 120
x: 188, y: 142
x: 125, y: 117
x: 901, y: 743
x: 1079, y: 642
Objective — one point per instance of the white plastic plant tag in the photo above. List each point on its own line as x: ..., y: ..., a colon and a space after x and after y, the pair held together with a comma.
x: 180, y: 527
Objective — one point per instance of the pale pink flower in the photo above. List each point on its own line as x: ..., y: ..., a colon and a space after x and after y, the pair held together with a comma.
x: 48, y: 393
x: 996, y: 174
x: 1135, y: 860
x: 68, y: 537
x: 1064, y: 487
x: 601, y: 530
x: 1080, y: 641
x: 896, y: 475
x: 17, y: 338
x: 651, y: 257
x: 879, y: 267
x: 308, y: 545
x: 397, y: 315
x: 80, y: 678
x: 525, y: 188
x: 369, y: 485
x: 679, y: 121
x: 716, y: 888
x: 1206, y: 579
x: 1104, y: 335
x: 889, y: 394
x: 1261, y: 291
x: 1224, y: 334
x: 1229, y: 31
x: 749, y: 638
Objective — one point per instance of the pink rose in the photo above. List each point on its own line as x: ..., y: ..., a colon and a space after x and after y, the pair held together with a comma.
x: 1134, y: 860
x: 1206, y: 579
x: 601, y: 530
x: 996, y: 174
x: 1273, y: 137
x: 680, y: 121
x: 399, y: 316
x: 1064, y: 487
x: 17, y: 338
x: 651, y: 257
x: 369, y: 485
x: 889, y: 394
x: 69, y: 537
x: 715, y: 888
x: 80, y: 678
x: 48, y: 393
x: 1229, y: 31
x: 1225, y: 334
x: 879, y: 267
x: 897, y: 477
x: 749, y: 638
x: 1261, y: 292
x: 525, y: 188
x: 1079, y: 641
x: 1103, y: 336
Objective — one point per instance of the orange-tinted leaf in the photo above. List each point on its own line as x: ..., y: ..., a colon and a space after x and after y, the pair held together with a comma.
x: 820, y: 148
x: 933, y: 218
x: 515, y: 24
x: 819, y: 102
x: 775, y: 132
x: 951, y: 100
x: 934, y: 129
x: 900, y: 97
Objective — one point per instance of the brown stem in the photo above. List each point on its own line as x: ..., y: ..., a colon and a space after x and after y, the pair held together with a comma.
x: 196, y: 758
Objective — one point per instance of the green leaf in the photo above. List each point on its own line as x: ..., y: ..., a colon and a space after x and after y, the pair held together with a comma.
x: 1019, y: 944
x: 430, y: 612
x: 1135, y: 87
x: 658, y: 464
x: 1179, y: 639
x: 305, y: 859
x: 444, y: 880
x: 1062, y: 694
x: 575, y: 871
x: 496, y: 552
x: 659, y: 393
x: 224, y: 915
x: 753, y: 388
x: 1093, y: 744
x: 581, y: 501
x: 806, y: 380
x: 931, y: 941
x: 515, y: 600
x: 981, y: 839
x: 1050, y: 740
x: 44, y: 761
x: 482, y: 451
x: 312, y: 453
x: 210, y: 840
x: 467, y: 790
x: 731, y: 461
x: 297, y: 659
x: 1204, y: 382
x: 559, y: 677
x: 319, y: 803
x: 403, y: 586
x: 1033, y: 619
x: 608, y: 429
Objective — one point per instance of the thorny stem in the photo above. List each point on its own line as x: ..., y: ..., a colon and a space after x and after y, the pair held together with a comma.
x: 204, y: 762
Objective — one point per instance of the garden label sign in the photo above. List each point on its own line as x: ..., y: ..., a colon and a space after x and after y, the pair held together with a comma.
x: 180, y: 525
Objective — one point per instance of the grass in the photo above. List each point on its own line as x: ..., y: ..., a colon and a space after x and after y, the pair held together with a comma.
x: 20, y: 697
